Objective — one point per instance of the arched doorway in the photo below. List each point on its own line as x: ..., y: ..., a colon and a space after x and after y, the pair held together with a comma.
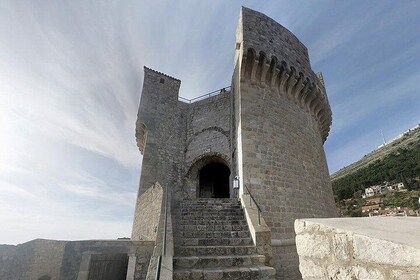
x: 214, y: 180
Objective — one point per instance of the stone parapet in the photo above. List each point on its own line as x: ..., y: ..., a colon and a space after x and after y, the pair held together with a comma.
x: 274, y: 59
x: 359, y: 248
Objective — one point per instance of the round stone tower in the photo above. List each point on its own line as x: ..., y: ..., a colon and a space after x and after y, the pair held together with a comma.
x: 281, y: 120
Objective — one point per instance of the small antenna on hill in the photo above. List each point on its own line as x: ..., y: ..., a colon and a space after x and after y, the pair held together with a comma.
x: 383, y: 137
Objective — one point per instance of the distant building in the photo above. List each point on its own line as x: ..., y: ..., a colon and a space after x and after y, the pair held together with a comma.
x: 374, y: 190
x: 382, y: 189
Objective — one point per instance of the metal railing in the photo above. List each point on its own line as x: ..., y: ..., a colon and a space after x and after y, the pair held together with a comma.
x: 251, y: 198
x: 165, y: 225
x: 205, y: 96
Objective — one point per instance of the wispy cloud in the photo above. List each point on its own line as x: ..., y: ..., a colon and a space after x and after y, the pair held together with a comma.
x: 70, y: 82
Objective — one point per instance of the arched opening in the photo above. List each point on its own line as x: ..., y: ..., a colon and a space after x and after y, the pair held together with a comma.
x: 214, y: 181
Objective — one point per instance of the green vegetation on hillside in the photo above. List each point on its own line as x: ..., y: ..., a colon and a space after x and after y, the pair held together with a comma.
x: 401, y: 199
x: 402, y: 165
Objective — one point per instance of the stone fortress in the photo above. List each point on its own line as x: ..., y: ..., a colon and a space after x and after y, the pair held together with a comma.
x: 267, y: 130
x: 229, y: 184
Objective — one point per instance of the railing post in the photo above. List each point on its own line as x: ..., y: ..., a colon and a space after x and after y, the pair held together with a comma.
x: 157, y: 277
x: 165, y: 221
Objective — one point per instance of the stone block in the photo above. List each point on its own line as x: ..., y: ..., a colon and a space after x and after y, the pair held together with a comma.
x: 313, y: 245
x: 360, y: 272
x: 341, y: 247
x: 310, y: 269
x: 337, y: 271
x: 404, y: 275
x: 372, y: 250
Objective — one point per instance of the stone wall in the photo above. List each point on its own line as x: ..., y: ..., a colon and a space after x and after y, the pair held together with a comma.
x: 31, y: 260
x: 359, y: 248
x: 63, y: 260
x: 208, y: 135
x: 47, y: 258
x: 77, y: 255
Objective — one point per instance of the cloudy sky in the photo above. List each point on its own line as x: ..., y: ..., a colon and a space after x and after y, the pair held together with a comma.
x: 71, y: 76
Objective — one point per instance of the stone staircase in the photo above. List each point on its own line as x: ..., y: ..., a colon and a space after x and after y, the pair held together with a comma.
x: 212, y: 241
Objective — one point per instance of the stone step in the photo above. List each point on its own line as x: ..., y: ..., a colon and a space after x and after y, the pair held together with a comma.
x: 213, y: 241
x: 253, y: 272
x: 210, y: 211
x: 211, y: 227
x: 214, y: 218
x: 208, y: 203
x: 214, y: 234
x: 211, y: 222
x: 211, y: 200
x: 215, y: 250
x: 207, y: 210
x: 216, y: 261
x: 198, y: 204
x: 208, y: 206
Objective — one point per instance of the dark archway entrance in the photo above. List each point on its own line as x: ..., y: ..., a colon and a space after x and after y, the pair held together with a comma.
x: 214, y: 181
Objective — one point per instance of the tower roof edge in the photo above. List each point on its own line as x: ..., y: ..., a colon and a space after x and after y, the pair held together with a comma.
x: 147, y: 69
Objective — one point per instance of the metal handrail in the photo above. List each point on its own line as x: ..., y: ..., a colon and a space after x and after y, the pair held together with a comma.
x: 165, y: 225
x: 204, y: 96
x: 256, y: 204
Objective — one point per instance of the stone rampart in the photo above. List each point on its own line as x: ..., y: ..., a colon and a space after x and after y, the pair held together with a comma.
x: 359, y: 248
x: 78, y: 254
x: 31, y: 260
x: 67, y: 260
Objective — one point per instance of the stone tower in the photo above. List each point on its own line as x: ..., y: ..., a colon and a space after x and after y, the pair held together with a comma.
x: 268, y: 129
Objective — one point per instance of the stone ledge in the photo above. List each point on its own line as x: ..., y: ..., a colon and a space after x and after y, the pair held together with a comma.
x: 403, y: 230
x: 359, y: 248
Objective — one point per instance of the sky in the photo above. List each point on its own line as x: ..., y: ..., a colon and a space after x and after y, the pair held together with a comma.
x: 70, y: 81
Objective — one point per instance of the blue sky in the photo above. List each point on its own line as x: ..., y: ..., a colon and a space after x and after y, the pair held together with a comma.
x: 71, y: 76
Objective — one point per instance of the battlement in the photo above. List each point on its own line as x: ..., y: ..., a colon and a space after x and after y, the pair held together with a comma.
x: 265, y: 35
x: 273, y: 58
x: 159, y: 74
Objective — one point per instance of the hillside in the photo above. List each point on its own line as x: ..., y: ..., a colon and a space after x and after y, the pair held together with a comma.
x: 406, y: 140
x: 398, y: 160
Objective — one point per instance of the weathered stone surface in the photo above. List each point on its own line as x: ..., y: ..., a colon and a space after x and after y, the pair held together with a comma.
x: 371, y: 248
x: 149, y: 206
x: 310, y: 269
x: 31, y: 260
x: 313, y: 245
x: 404, y: 275
x: 340, y: 247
